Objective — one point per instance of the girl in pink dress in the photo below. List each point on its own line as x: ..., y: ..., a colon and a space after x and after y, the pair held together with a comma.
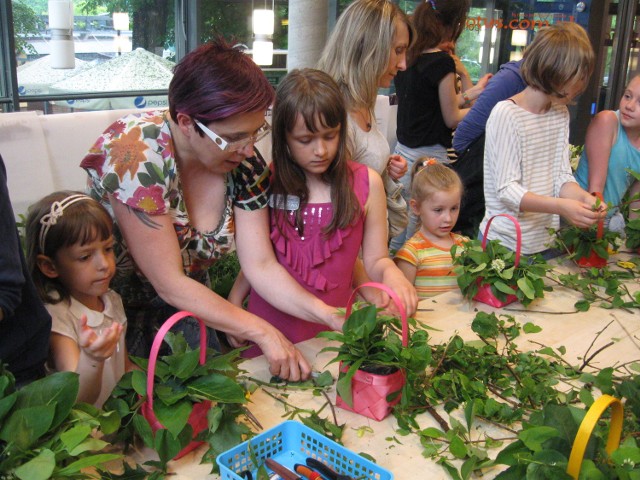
x: 323, y: 208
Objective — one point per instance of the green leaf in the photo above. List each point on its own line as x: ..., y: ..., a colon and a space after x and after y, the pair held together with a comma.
x: 89, y: 445
x: 548, y: 465
x: 525, y: 285
x: 432, y: 432
x: 531, y: 328
x: 457, y: 447
x: 589, y: 471
x: 142, y: 427
x: 26, y: 425
x: 59, y: 390
x: 217, y: 388
x: 504, y: 288
x: 343, y: 385
x: 485, y: 325
x: 173, y: 417
x: 324, y: 379
x: 182, y: 366
x: 139, y: 382
x: 84, y: 462
x: 6, y: 403
x: 74, y: 436
x: 534, y: 437
x: 38, y: 468
x: 582, y: 305
x: 167, y: 445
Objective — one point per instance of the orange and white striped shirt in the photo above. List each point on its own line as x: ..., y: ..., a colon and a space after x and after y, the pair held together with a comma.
x: 434, y: 265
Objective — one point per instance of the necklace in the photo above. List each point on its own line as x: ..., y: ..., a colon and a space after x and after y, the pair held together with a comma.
x: 363, y: 117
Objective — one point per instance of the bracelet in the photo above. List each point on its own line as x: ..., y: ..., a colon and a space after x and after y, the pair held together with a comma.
x: 467, y: 100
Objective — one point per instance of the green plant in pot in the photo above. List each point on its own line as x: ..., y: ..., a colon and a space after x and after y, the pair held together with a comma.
x: 195, y: 399
x: 379, y: 354
x: 45, y: 434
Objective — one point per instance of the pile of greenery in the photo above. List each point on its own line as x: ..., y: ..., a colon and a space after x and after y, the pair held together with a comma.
x: 181, y: 382
x: 45, y: 434
x: 495, y: 382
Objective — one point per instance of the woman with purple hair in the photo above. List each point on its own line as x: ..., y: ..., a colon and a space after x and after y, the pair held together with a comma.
x: 185, y: 187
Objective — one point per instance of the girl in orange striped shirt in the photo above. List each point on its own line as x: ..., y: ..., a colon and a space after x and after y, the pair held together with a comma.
x: 425, y: 258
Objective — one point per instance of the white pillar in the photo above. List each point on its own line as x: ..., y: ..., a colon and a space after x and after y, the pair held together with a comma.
x: 61, y: 26
x: 307, y: 32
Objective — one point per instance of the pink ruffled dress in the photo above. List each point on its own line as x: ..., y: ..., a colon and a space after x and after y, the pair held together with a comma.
x: 324, y: 266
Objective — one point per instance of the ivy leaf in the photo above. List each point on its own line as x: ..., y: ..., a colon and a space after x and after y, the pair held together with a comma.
x: 582, y: 305
x: 531, y: 328
x: 457, y: 447
x: 432, y: 432
x: 485, y: 325
x: 534, y: 437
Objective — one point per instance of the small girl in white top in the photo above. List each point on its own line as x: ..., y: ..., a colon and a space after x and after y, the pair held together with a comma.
x: 70, y: 255
x: 526, y: 164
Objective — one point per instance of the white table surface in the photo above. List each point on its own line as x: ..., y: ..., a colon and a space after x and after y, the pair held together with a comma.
x: 451, y: 314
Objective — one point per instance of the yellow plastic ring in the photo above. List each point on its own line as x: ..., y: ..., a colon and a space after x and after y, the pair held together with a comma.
x: 588, y: 424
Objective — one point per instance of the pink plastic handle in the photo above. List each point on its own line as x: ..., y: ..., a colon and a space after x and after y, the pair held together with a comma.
x: 396, y: 300
x: 518, y: 234
x: 157, y: 341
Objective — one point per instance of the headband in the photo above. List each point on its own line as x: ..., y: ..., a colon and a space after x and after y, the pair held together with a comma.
x: 55, y: 212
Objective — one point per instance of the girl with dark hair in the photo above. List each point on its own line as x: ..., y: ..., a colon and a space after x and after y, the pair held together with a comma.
x: 324, y: 208
x: 70, y: 255
x: 429, y: 104
x: 186, y: 187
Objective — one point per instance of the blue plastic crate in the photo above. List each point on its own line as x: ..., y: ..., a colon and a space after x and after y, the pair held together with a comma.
x: 292, y: 442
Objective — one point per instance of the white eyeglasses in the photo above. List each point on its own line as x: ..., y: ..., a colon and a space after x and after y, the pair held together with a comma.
x: 235, y: 145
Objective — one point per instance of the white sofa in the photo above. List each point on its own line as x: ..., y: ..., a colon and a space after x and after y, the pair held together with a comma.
x: 42, y: 153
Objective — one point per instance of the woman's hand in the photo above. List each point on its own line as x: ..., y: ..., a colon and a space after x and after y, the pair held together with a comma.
x: 102, y: 346
x: 397, y: 167
x: 285, y: 360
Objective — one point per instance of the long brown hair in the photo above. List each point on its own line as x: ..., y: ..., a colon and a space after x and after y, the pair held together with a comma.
x: 313, y: 95
x: 436, y: 21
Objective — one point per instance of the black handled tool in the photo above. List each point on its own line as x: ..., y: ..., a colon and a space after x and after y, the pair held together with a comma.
x: 326, y: 470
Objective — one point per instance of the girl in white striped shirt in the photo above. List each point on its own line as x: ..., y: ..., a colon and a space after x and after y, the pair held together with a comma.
x: 526, y: 164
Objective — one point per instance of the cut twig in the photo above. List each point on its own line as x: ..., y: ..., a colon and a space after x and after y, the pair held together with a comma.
x: 591, y: 345
x: 586, y: 362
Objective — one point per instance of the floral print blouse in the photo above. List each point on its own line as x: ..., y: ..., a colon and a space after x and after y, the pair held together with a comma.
x: 134, y: 161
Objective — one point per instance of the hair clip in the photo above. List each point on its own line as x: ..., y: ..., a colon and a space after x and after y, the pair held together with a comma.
x: 433, y: 4
x: 429, y: 161
x: 55, y: 212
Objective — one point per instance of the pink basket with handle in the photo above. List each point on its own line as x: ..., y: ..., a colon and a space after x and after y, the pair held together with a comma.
x: 198, y: 417
x: 485, y: 295
x: 369, y: 390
